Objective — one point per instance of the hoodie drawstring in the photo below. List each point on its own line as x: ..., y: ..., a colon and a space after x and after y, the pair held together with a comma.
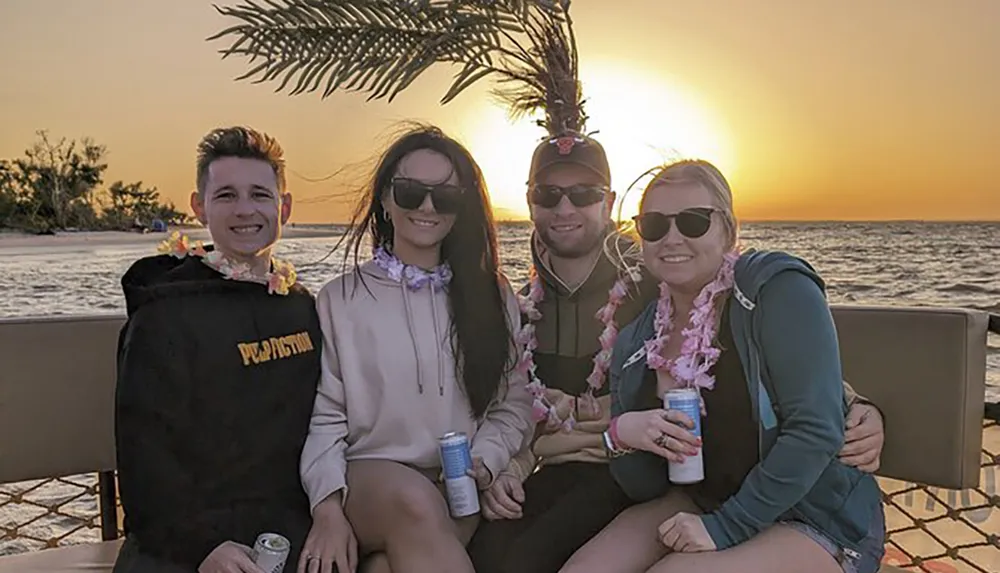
x: 413, y: 336
x: 413, y: 339
x: 437, y: 340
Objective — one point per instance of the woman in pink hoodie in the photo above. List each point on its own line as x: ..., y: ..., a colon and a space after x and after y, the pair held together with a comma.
x: 418, y: 342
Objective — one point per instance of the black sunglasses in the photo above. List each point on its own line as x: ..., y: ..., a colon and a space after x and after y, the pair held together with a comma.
x: 409, y: 194
x: 692, y: 223
x: 580, y: 195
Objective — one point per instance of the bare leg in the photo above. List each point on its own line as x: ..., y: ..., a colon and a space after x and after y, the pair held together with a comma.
x: 630, y: 543
x: 398, y: 511
x: 779, y: 549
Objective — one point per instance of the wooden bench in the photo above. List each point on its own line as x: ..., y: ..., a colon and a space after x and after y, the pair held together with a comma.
x: 925, y: 368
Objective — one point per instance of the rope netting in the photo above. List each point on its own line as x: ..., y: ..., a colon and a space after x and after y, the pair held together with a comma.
x: 41, y: 514
x: 947, y: 531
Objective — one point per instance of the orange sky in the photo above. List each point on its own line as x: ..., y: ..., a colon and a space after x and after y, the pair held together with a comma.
x: 816, y: 110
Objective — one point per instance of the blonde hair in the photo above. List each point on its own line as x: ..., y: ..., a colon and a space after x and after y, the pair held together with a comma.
x: 627, y: 255
x: 708, y: 176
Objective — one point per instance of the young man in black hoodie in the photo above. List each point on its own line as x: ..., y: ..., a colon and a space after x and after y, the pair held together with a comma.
x: 217, y: 370
x: 558, y: 493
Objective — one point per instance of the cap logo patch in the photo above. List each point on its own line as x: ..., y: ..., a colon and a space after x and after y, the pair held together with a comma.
x: 566, y: 143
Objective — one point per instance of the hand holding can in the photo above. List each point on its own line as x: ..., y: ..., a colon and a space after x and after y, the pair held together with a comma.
x: 661, y: 432
x: 456, y: 462
x: 480, y: 473
x: 686, y: 401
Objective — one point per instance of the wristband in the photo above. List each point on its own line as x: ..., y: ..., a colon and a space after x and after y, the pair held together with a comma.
x: 611, y: 441
x: 613, y: 432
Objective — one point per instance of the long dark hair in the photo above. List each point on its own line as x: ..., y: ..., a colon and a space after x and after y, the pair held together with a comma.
x: 480, y: 334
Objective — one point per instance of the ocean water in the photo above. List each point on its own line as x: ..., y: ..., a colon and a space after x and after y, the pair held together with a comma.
x: 942, y: 264
x: 937, y: 264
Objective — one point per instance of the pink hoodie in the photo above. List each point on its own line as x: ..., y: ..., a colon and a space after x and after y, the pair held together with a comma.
x: 388, y: 388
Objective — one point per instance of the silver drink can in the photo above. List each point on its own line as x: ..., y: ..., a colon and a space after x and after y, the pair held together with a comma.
x: 270, y: 552
x: 456, y: 461
x: 688, y: 401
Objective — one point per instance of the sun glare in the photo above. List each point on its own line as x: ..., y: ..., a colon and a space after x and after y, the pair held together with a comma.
x: 641, y: 121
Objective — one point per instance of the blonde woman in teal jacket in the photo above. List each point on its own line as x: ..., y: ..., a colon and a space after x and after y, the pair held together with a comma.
x: 760, y: 343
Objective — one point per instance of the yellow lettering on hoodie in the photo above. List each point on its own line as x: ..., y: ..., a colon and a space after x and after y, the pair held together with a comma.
x: 278, y: 344
x: 275, y: 348
x: 246, y: 351
x: 305, y: 341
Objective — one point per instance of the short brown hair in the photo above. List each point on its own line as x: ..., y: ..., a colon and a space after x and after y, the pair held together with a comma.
x: 240, y: 141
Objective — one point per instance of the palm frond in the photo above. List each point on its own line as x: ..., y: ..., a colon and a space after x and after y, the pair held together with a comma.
x: 380, y: 47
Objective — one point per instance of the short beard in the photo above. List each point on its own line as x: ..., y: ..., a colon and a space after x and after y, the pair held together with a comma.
x: 586, y: 246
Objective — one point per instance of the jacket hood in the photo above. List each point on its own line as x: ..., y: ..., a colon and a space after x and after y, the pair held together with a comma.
x: 752, y: 271
x: 162, y: 276
x: 166, y: 276
x: 754, y: 268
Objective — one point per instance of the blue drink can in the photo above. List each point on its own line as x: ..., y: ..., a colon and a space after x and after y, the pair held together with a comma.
x: 456, y: 461
x: 688, y: 401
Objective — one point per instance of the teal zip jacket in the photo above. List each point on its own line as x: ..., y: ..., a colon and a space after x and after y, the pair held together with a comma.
x: 787, y: 342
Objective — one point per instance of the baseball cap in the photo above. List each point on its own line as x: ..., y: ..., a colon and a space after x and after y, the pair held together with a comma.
x: 571, y: 148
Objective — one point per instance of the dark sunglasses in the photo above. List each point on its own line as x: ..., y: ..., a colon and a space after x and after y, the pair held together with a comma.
x: 581, y: 195
x: 692, y: 223
x: 409, y: 194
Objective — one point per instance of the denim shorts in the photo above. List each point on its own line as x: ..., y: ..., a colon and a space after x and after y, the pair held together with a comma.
x: 868, y: 558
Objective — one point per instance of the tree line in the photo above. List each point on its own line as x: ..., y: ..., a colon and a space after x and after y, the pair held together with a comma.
x: 59, y: 185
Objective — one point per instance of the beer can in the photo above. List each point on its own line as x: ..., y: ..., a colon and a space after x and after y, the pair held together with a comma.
x: 688, y: 401
x: 456, y: 461
x: 270, y: 552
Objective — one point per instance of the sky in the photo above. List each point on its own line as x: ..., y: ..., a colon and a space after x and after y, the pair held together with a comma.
x: 818, y: 110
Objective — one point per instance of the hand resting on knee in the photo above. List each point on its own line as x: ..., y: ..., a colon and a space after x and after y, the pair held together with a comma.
x: 331, y: 540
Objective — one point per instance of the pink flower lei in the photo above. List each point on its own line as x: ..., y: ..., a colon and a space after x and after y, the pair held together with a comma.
x: 278, y: 280
x: 542, y: 409
x: 698, y: 355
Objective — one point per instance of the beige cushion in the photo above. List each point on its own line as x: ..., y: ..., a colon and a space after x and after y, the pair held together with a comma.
x: 924, y: 367
x: 926, y: 370
x: 91, y: 557
x: 57, y: 396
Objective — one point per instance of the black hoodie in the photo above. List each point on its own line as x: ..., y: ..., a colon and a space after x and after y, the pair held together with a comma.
x: 216, y: 382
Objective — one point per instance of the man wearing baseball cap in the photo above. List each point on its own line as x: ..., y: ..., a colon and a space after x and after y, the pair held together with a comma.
x: 558, y: 492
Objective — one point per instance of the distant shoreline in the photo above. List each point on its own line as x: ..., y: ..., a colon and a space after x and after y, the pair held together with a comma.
x: 292, y: 230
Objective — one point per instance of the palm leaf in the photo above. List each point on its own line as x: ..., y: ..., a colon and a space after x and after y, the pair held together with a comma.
x: 380, y: 47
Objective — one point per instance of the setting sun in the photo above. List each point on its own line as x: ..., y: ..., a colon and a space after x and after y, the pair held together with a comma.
x: 641, y: 121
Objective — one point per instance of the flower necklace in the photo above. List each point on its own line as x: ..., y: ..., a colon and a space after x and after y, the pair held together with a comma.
x: 278, y: 280
x: 414, y: 277
x: 698, y: 355
x: 542, y: 408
